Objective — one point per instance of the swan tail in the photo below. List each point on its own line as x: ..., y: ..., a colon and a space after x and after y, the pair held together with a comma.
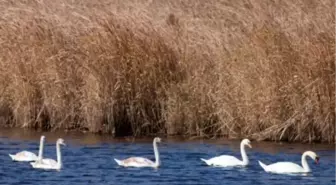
x: 206, y: 161
x: 264, y: 166
x: 120, y: 163
x: 34, y: 164
x: 12, y: 156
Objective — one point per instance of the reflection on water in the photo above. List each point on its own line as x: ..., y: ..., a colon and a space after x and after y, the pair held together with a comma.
x: 88, y: 159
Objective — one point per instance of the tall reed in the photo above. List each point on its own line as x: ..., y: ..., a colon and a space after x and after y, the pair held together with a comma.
x: 258, y: 69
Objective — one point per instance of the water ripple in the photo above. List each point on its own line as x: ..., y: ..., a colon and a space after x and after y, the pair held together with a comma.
x: 94, y: 164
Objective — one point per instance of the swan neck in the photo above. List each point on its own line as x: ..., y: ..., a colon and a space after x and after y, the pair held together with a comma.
x: 243, y: 154
x: 304, y: 163
x: 59, y: 155
x: 157, y: 155
x: 40, y: 154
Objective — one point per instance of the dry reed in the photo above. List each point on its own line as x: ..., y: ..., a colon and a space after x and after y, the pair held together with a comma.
x: 258, y: 69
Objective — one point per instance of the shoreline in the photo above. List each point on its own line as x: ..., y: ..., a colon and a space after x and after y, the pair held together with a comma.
x: 28, y: 133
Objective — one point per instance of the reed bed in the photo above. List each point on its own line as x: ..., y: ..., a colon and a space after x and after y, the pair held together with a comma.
x: 196, y: 68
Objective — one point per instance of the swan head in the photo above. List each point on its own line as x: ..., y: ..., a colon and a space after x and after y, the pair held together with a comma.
x: 313, y: 155
x: 157, y: 140
x: 42, y: 138
x: 247, y: 142
x: 60, y: 141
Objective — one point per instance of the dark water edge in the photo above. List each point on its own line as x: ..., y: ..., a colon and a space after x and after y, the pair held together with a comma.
x: 88, y: 159
x: 76, y: 137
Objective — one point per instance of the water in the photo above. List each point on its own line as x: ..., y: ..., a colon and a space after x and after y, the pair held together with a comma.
x: 88, y: 159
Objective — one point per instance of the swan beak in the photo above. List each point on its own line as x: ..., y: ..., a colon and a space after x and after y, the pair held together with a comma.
x: 249, y: 145
x: 317, y: 158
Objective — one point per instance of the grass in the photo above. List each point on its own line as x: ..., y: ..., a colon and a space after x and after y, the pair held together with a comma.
x: 263, y: 70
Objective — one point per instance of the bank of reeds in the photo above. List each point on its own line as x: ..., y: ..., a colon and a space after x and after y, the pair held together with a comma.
x: 258, y: 69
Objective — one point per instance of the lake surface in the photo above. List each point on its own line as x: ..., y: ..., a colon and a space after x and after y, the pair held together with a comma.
x: 88, y: 159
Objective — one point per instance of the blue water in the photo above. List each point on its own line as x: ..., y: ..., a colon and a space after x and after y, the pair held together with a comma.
x: 92, y: 163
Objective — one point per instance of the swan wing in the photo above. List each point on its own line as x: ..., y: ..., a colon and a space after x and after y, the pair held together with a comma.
x: 223, y: 160
x: 51, y: 162
x: 136, y: 162
x: 284, y: 167
x: 24, y: 156
x: 45, y: 164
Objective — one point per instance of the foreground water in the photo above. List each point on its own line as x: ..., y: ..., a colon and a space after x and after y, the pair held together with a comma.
x: 88, y: 159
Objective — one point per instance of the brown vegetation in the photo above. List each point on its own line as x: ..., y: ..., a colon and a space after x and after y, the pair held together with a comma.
x: 258, y: 69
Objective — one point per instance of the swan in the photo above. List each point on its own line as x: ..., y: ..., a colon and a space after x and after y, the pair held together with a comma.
x: 26, y: 156
x: 289, y: 167
x: 50, y: 163
x: 140, y: 161
x: 230, y: 161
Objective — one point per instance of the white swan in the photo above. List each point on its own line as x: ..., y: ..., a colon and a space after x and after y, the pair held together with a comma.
x: 289, y: 167
x: 27, y: 156
x: 230, y: 161
x: 50, y: 163
x: 140, y: 161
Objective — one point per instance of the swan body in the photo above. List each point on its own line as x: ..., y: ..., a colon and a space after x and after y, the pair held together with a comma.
x: 224, y: 161
x: 135, y: 162
x: 289, y: 167
x: 51, y: 164
x: 140, y: 161
x: 230, y: 161
x: 26, y: 156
